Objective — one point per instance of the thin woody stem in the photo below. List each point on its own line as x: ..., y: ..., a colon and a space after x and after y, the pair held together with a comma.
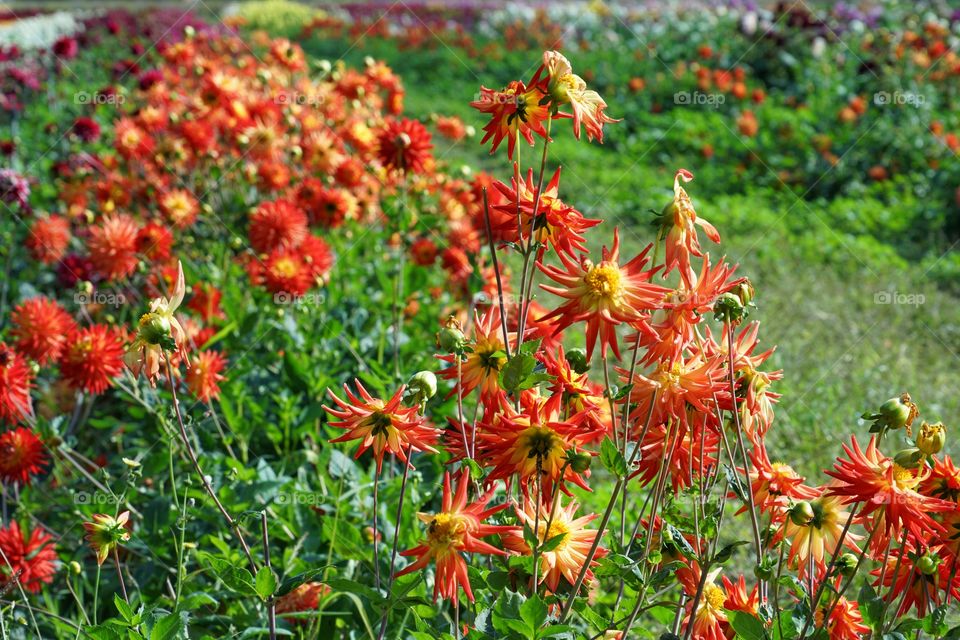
x: 234, y: 526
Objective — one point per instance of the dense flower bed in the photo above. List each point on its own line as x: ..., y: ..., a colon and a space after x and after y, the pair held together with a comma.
x: 236, y: 266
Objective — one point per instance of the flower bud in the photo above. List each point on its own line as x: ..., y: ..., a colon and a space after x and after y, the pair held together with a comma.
x: 745, y: 292
x: 450, y: 338
x: 729, y: 308
x: 932, y: 438
x: 801, y: 514
x: 75, y: 568
x: 577, y: 359
x: 908, y: 458
x: 847, y: 564
x: 579, y: 462
x: 928, y: 563
x: 895, y: 413
x: 421, y: 387
x: 154, y: 328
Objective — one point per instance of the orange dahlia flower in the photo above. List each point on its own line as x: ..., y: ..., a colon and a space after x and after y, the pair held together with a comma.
x: 555, y: 77
x: 604, y: 295
x: 514, y: 111
x: 384, y: 426
x: 457, y: 528
x: 568, y: 556
x: 678, y: 225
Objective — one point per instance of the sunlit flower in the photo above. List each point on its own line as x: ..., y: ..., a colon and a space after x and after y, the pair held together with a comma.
x: 922, y: 580
x: 845, y: 622
x: 710, y: 618
x: 603, y: 295
x: 457, y: 528
x: 180, y: 207
x: 384, y: 426
x: 775, y: 484
x: 106, y: 533
x: 277, y: 224
x: 22, y: 454
x: 514, y: 112
x: 738, y: 598
x: 484, y: 360
x: 567, y: 557
x: 556, y: 78
x: 41, y: 328
x: 557, y: 224
x: 30, y: 559
x: 886, y: 489
x: 678, y: 225
x: 818, y: 537
x: 158, y: 332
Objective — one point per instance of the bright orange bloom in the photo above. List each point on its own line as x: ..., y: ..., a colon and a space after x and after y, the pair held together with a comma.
x: 887, y: 489
x: 555, y: 77
x: 204, y: 376
x: 710, y: 619
x: 845, y: 621
x: 534, y: 443
x: 516, y: 110
x: 565, y: 559
x: 689, y: 446
x: 922, y: 581
x: 93, y: 358
x: 557, y: 223
x: 579, y: 395
x: 404, y: 145
x: 738, y: 599
x: 113, y: 246
x: 672, y: 387
x: 604, y: 295
x: 457, y: 528
x: 384, y: 426
x: 678, y: 225
x: 943, y: 481
x: 775, y: 484
x: 487, y: 356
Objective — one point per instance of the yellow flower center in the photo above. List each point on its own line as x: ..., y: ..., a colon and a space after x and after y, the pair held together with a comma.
x: 714, y: 596
x: 445, y: 532
x: 541, y: 443
x: 285, y: 268
x: 904, y: 478
x: 556, y: 528
x: 603, y: 281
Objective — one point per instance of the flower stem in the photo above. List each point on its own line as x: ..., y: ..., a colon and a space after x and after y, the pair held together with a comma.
x: 233, y: 524
x: 271, y: 603
x: 396, y: 537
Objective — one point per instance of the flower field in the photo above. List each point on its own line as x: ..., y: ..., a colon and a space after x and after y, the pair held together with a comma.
x: 480, y: 320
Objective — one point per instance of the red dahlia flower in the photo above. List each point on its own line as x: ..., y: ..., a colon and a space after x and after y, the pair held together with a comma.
x: 515, y: 110
x: 92, y: 358
x: 113, y: 246
x: 204, y: 377
x: 41, y: 327
x: 49, y: 238
x: 32, y: 560
x: 277, y: 224
x: 404, y: 145
x: 22, y: 454
x: 16, y: 380
x: 678, y: 224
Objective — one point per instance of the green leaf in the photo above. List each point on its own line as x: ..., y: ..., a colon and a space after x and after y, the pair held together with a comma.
x: 553, y: 542
x: 611, y: 458
x: 122, y: 607
x: 936, y: 622
x: 724, y: 554
x: 534, y: 613
x: 168, y: 627
x: 235, y: 578
x: 266, y: 583
x: 747, y: 626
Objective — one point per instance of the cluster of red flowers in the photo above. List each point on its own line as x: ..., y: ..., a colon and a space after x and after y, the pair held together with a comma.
x: 694, y: 400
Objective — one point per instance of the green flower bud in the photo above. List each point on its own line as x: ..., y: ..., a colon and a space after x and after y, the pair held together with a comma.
x: 577, y: 359
x: 154, y: 328
x: 847, y: 564
x: 729, y: 308
x: 801, y: 514
x: 932, y: 437
x: 579, y: 462
x: 908, y: 458
x: 928, y: 563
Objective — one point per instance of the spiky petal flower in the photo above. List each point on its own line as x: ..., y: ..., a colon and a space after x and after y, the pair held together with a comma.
x: 16, y: 380
x: 205, y: 376
x: 456, y: 529
x: 32, y: 558
x: 105, y: 533
x: 404, y: 145
x: 158, y: 332
x: 93, y: 358
x: 48, y: 239
x: 566, y: 558
x: 604, y: 295
x: 556, y: 78
x: 383, y: 426
x: 845, y: 622
x: 22, y: 454
x: 678, y: 224
x: 113, y: 246
x: 514, y: 111
x: 886, y: 489
x: 41, y: 327
x: 277, y: 224
x: 819, y: 536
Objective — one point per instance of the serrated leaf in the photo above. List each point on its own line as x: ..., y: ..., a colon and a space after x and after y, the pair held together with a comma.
x: 611, y: 458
